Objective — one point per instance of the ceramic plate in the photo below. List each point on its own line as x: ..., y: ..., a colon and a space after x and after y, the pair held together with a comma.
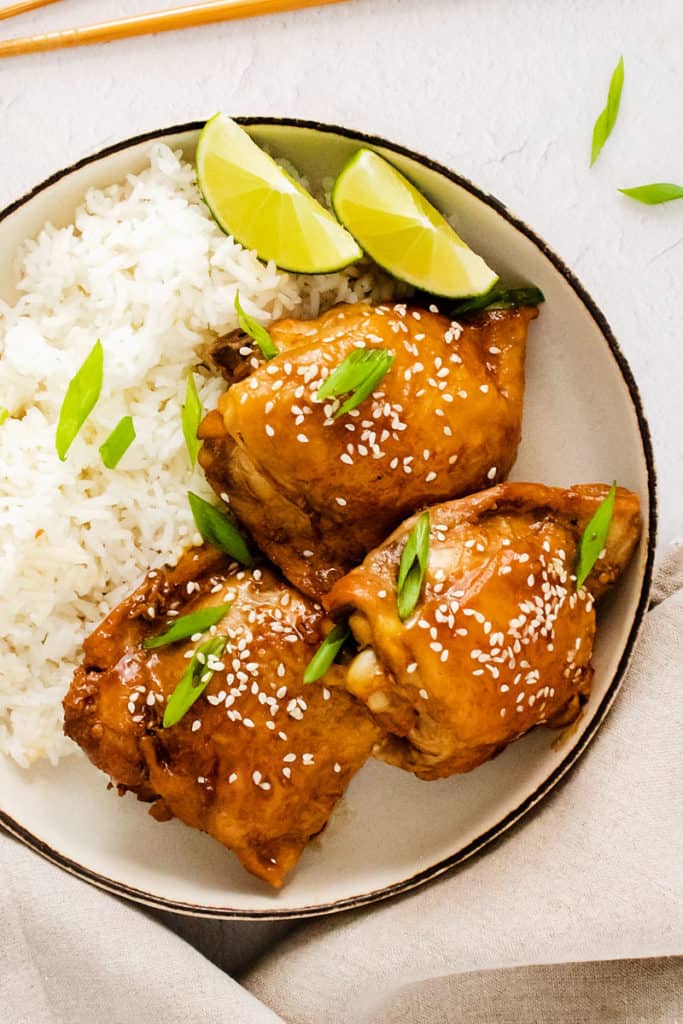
x: 583, y: 422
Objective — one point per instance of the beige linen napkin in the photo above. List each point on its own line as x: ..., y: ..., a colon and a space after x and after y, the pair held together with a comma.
x: 594, y: 875
x: 70, y: 954
x: 551, y: 924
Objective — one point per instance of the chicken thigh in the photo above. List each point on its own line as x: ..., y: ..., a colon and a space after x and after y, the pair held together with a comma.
x: 501, y: 639
x: 258, y: 761
x: 316, y: 489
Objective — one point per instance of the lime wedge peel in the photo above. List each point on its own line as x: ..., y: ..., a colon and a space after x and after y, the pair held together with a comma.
x: 253, y: 199
x: 402, y: 232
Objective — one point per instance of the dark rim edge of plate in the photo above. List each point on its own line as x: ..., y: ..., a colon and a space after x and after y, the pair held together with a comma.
x: 549, y: 783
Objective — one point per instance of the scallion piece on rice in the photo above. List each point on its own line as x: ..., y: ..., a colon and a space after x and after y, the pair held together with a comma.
x: 255, y: 330
x: 191, y: 418
x: 80, y: 399
x: 118, y: 442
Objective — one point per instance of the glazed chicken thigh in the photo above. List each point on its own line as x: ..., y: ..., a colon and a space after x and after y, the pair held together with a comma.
x: 501, y: 639
x: 318, y: 490
x: 259, y: 761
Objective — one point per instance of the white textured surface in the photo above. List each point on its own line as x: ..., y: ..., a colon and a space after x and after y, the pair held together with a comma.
x: 506, y: 93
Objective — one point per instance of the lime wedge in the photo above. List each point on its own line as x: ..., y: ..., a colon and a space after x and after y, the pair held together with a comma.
x: 259, y: 204
x: 403, y: 232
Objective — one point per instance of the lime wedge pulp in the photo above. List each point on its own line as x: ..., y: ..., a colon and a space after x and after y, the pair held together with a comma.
x: 253, y: 199
x: 403, y: 232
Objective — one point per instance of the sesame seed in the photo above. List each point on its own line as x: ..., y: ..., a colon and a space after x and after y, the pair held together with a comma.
x: 491, y: 473
x: 196, y: 725
x: 424, y: 694
x: 337, y: 767
x: 340, y: 501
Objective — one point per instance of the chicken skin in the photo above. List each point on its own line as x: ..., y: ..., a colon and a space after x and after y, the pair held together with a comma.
x: 501, y: 639
x: 318, y: 491
x: 259, y: 760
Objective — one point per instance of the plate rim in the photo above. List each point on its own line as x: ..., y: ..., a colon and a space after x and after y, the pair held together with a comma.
x: 510, y: 819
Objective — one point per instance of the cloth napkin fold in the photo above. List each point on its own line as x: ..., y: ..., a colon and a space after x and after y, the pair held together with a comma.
x: 573, y: 916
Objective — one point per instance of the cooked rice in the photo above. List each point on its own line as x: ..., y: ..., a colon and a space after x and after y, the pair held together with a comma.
x: 146, y: 270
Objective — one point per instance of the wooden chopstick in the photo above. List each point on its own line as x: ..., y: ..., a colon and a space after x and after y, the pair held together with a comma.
x: 23, y: 7
x: 159, y: 21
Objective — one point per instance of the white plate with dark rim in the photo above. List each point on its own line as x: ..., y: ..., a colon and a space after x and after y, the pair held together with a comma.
x: 583, y: 422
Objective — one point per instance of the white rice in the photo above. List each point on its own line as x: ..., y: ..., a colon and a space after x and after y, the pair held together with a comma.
x: 144, y: 269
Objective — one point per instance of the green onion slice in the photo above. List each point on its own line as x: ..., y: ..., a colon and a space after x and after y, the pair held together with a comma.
x: 359, y: 373
x: 80, y: 399
x: 595, y: 536
x: 187, y: 625
x: 500, y: 298
x: 608, y: 117
x: 195, y: 679
x: 4, y: 414
x: 413, y: 566
x: 327, y: 652
x: 217, y: 529
x: 191, y: 418
x: 255, y: 330
x: 657, y: 192
x: 118, y: 442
